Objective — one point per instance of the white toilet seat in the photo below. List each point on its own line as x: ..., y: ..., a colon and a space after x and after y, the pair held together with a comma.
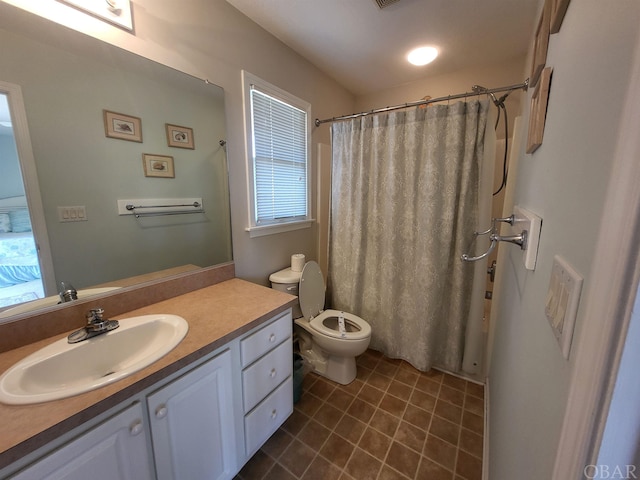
x: 364, y: 329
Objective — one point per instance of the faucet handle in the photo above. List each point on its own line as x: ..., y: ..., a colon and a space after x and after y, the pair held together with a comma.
x: 95, y: 315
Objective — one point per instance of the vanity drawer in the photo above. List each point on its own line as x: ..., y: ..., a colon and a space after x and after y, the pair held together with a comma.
x: 266, y: 374
x: 265, y: 419
x: 260, y: 342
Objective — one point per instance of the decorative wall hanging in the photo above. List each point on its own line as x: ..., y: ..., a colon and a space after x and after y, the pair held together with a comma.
x: 558, y: 9
x: 116, y: 12
x: 158, y: 165
x: 541, y: 44
x: 124, y: 127
x: 181, y: 137
x: 538, y: 113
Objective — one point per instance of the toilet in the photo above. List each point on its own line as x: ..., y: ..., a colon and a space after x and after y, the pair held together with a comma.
x: 329, y: 339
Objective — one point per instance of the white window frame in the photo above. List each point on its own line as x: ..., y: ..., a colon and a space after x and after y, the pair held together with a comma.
x: 249, y: 81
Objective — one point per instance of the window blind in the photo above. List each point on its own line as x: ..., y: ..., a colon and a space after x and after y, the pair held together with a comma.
x: 280, y: 159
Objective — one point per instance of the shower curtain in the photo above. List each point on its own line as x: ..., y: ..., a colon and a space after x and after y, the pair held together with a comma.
x: 404, y: 208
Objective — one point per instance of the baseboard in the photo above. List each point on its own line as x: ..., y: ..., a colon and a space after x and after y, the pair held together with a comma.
x: 485, y: 436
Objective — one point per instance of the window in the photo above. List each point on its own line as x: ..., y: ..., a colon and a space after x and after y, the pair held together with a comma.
x: 278, y: 126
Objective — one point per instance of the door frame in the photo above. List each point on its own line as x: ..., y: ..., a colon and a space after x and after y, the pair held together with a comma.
x: 31, y: 184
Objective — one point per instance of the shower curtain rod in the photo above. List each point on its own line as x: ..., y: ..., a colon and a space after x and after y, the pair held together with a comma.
x: 481, y: 91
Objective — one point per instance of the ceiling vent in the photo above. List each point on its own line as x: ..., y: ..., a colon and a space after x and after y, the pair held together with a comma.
x: 384, y: 3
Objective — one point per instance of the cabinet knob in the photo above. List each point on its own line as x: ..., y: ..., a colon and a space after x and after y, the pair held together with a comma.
x: 136, y: 428
x: 161, y: 411
x: 272, y: 338
x: 272, y: 373
x: 274, y: 413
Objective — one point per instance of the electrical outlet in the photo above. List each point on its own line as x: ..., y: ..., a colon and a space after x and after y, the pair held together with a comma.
x: 72, y: 214
x: 561, y: 305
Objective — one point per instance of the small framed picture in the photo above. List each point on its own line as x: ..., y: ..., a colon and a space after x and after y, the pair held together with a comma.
x: 124, y: 127
x: 181, y: 137
x: 538, y: 114
x: 158, y: 165
x: 558, y: 9
x: 541, y: 44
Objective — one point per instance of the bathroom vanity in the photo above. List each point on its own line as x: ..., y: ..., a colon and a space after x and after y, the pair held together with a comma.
x: 206, y: 406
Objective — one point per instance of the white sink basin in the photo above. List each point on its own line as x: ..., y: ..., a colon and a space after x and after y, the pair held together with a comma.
x: 61, y: 370
x: 52, y: 300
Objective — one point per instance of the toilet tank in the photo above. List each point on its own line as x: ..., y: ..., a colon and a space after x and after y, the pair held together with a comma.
x: 287, y: 281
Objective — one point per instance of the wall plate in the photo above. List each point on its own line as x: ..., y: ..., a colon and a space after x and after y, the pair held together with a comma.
x: 532, y: 223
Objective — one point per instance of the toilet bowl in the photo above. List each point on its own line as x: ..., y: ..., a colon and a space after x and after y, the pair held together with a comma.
x: 329, y: 339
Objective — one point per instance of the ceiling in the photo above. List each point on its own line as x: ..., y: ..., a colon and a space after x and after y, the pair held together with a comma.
x: 364, y: 47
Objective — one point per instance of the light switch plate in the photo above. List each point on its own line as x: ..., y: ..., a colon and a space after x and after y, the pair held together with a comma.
x: 72, y: 214
x: 563, y: 298
x: 532, y: 223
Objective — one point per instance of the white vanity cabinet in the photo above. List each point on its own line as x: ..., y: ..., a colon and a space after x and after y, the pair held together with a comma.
x: 192, y: 424
x: 114, y: 449
x: 267, y: 387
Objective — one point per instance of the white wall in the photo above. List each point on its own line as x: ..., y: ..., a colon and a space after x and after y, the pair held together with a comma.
x: 212, y: 40
x: 564, y: 182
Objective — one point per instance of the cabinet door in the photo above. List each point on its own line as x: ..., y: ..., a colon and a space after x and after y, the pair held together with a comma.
x: 192, y: 424
x: 115, y: 449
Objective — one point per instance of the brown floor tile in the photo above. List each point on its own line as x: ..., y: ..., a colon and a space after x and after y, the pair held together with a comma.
x: 279, y: 473
x: 440, y: 452
x: 417, y: 416
x: 474, y: 405
x: 428, y: 385
x: 403, y: 459
x: 337, y: 450
x: 384, y: 422
x: 375, y: 443
x: 322, y: 469
x: 407, y: 376
x: 296, y: 421
x: 475, y: 389
x: 423, y: 400
x: 410, y: 436
x: 297, y: 457
x: 393, y: 405
x: 429, y: 470
x: 363, y: 373
x: 387, y: 369
x: 388, y: 473
x: 322, y: 389
x: 445, y: 430
x: 468, y: 466
x: 308, y: 404
x: 367, y: 361
x: 448, y: 411
x: 473, y: 422
x: 379, y: 381
x: 257, y: 466
x: 277, y: 443
x: 451, y: 395
x: 433, y: 374
x: 328, y: 416
x: 353, y: 388
x: 371, y: 394
x: 350, y: 428
x: 471, y: 442
x: 313, y: 434
x: 455, y: 382
x: 400, y: 390
x: 362, y: 410
x: 363, y: 466
x: 340, y: 399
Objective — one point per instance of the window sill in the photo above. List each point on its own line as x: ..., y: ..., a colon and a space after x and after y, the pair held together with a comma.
x: 262, y: 230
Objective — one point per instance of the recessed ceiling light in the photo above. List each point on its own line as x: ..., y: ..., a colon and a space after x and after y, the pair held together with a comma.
x: 422, y: 56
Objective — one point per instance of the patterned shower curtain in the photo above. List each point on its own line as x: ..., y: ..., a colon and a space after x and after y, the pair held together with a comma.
x: 404, y: 207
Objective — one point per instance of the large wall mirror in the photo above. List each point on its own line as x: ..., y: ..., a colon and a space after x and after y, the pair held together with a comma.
x: 67, y: 82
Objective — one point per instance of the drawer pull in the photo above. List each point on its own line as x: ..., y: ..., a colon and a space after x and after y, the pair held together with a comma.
x: 272, y: 338
x: 272, y: 373
x: 274, y: 413
x: 161, y: 411
x: 135, y: 428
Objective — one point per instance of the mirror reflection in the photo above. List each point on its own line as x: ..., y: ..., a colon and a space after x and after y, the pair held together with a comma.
x: 69, y: 83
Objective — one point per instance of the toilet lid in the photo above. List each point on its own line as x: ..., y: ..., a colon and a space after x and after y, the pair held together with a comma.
x: 311, y: 291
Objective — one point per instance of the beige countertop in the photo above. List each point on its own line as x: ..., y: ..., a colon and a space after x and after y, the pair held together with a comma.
x: 216, y: 315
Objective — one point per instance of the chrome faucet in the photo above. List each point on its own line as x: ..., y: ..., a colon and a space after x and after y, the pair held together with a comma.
x: 67, y: 292
x: 96, y: 325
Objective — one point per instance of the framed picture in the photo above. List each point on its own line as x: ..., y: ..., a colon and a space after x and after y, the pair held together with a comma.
x: 541, y: 44
x: 538, y: 113
x: 116, y: 12
x: 124, y: 127
x: 158, y: 165
x: 558, y: 9
x: 181, y: 137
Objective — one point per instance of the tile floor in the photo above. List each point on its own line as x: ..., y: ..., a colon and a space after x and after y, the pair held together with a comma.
x: 393, y: 422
